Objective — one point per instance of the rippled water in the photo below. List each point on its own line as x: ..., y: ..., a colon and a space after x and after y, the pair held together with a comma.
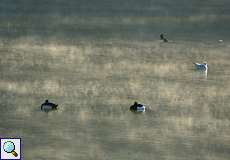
x: 95, y: 64
x: 94, y: 84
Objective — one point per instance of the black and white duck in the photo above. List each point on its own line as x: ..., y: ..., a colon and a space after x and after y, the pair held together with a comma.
x: 48, y: 106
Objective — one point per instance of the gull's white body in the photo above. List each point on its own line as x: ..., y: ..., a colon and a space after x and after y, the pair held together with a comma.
x: 201, y: 66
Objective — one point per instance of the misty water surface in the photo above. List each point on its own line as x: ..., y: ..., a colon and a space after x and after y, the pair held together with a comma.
x: 95, y: 58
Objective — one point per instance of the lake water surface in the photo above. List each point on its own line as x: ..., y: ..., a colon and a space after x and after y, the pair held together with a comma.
x: 95, y: 59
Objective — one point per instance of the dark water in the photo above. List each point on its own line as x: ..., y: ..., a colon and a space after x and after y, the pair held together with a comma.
x: 69, y: 21
x: 95, y: 58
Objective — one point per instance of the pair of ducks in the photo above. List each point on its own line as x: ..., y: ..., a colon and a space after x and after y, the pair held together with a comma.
x: 48, y: 106
x: 141, y: 108
x: 198, y: 66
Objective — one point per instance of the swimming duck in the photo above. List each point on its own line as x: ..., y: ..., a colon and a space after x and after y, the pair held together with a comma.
x: 137, y: 107
x: 48, y: 106
x: 163, y: 38
x: 201, y: 66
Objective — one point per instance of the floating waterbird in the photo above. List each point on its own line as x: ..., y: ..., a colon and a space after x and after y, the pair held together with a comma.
x: 48, y: 106
x: 137, y: 107
x: 163, y: 38
x: 201, y: 66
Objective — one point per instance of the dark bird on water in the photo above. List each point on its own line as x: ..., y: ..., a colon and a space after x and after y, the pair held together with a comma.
x: 163, y: 38
x: 48, y: 106
x: 137, y: 107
